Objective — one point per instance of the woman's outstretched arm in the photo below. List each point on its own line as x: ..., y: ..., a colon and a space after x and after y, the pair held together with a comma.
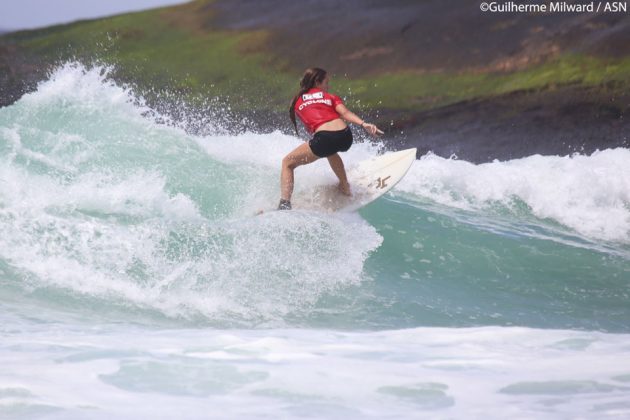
x: 350, y: 116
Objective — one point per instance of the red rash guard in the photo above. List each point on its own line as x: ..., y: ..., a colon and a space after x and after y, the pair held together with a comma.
x: 317, y: 107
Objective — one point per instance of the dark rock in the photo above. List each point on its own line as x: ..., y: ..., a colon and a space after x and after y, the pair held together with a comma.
x: 550, y: 122
x: 19, y: 73
x: 361, y: 37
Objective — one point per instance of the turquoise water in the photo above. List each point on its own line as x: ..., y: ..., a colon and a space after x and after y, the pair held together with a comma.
x: 129, y: 251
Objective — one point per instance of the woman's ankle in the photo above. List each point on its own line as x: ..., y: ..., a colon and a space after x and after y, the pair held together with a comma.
x: 284, y: 204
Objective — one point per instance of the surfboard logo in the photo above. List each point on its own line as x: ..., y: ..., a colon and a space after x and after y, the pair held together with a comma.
x: 381, y: 182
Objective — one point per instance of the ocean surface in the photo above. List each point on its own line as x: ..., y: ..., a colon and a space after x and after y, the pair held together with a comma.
x: 136, y: 282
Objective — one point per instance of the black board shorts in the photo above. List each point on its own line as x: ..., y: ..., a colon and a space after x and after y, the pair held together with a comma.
x: 327, y: 143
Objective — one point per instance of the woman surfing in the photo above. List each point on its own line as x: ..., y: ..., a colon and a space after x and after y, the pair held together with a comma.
x: 324, y: 116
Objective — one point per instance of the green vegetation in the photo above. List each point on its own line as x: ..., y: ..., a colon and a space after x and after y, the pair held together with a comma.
x: 422, y: 91
x: 177, y: 50
x: 156, y: 50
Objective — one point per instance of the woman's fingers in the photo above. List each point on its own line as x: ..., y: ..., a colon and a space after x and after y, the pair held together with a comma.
x: 372, y: 129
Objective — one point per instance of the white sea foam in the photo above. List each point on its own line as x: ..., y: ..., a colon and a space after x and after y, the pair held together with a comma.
x: 127, y: 241
x: 589, y: 194
x: 75, y: 85
x: 494, y: 373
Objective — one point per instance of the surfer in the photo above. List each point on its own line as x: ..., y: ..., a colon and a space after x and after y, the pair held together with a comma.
x: 324, y: 116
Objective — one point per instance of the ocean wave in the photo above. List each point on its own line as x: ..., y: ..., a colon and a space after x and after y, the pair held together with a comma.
x: 589, y: 194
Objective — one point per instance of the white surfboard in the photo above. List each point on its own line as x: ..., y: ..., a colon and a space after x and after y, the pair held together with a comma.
x: 368, y: 180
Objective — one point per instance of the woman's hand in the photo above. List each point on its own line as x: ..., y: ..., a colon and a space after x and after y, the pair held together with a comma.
x: 350, y: 116
x: 371, y: 129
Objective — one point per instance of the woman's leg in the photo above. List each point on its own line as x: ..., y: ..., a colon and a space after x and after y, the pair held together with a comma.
x: 301, y: 155
x: 337, y: 166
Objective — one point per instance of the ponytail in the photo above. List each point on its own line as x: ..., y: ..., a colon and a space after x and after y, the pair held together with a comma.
x: 312, y: 77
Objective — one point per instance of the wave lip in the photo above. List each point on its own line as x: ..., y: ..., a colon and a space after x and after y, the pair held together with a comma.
x: 588, y: 194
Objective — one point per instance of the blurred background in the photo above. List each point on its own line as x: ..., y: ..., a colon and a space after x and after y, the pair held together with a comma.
x: 438, y: 74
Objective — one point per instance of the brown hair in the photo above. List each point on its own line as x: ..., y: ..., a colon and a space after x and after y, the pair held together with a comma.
x: 312, y: 76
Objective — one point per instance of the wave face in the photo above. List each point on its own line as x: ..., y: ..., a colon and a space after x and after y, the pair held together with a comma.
x: 102, y: 204
x: 117, y: 223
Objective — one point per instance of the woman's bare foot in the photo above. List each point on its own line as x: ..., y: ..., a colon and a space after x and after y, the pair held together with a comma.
x: 345, y: 189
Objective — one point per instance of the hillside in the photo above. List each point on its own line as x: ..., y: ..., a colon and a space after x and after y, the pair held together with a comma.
x: 440, y: 75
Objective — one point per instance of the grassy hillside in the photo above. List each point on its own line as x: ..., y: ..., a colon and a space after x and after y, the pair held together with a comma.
x: 162, y: 48
x: 179, y: 49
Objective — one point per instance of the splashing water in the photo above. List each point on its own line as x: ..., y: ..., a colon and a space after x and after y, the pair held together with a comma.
x: 129, y: 248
